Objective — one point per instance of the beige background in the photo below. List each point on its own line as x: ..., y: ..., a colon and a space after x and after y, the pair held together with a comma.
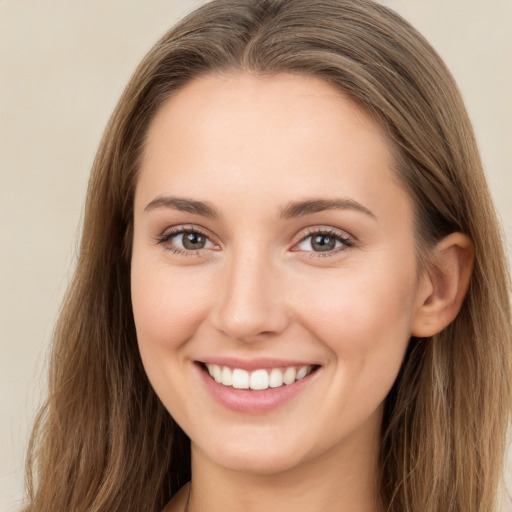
x: 63, y: 65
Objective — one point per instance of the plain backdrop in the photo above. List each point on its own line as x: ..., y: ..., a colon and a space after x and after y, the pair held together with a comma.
x: 63, y: 65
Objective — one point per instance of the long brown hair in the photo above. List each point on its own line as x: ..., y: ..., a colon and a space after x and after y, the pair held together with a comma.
x: 104, y: 442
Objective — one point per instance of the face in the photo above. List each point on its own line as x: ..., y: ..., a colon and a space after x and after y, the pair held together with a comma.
x: 273, y: 249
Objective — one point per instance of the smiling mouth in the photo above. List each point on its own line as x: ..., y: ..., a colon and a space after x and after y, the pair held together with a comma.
x: 257, y: 380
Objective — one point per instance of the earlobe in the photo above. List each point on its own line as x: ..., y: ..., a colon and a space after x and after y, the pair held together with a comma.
x: 445, y: 286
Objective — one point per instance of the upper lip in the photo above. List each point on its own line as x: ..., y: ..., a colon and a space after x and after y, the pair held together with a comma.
x: 254, y: 363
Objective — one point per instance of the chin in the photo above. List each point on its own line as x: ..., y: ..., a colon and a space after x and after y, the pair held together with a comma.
x: 262, y: 458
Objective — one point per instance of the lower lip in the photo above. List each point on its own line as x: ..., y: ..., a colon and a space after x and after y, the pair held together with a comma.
x: 254, y: 402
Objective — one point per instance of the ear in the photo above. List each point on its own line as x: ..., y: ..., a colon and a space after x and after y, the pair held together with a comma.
x: 444, y: 286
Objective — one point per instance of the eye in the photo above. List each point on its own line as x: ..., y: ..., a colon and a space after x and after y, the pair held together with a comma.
x: 183, y: 240
x: 324, y: 242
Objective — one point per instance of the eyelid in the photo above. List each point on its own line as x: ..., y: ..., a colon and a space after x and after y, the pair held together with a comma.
x: 171, y: 232
x: 345, y: 238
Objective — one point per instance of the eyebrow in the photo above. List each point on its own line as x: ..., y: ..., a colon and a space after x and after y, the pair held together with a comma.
x: 291, y: 210
x: 184, y: 205
x: 301, y: 208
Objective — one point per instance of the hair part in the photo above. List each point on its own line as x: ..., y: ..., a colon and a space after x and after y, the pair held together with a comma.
x: 104, y: 442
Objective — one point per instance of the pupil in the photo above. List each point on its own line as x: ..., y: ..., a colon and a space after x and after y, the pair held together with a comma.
x: 193, y: 241
x: 323, y: 243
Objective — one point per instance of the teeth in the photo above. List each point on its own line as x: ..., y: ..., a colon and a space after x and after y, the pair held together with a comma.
x: 240, y: 379
x: 217, y: 373
x: 276, y: 378
x: 258, y: 379
x: 227, y: 376
x: 302, y: 372
x: 289, y: 375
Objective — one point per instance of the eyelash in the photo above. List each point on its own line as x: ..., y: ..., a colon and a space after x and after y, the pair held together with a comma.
x: 181, y: 230
x: 346, y: 241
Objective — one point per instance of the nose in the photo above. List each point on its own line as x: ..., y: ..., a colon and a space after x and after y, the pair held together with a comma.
x: 251, y: 303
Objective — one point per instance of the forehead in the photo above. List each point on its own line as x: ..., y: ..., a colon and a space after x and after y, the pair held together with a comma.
x: 285, y: 104
x: 265, y: 136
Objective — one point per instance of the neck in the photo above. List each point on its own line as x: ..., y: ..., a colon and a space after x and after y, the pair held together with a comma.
x: 343, y: 479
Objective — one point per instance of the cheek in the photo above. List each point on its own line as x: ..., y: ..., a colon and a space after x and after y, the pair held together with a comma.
x: 365, y: 321
x: 167, y: 309
x: 167, y: 306
x: 364, y: 316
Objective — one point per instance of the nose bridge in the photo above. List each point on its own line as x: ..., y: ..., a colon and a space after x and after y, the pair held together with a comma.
x: 249, y: 303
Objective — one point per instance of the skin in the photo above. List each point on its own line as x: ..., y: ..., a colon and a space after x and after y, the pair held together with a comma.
x: 249, y: 146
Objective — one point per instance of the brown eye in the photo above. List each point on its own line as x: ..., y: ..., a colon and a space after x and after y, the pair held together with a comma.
x: 192, y: 240
x: 185, y: 241
x: 324, y: 242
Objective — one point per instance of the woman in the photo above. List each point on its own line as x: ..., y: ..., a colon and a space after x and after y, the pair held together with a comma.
x: 291, y: 289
